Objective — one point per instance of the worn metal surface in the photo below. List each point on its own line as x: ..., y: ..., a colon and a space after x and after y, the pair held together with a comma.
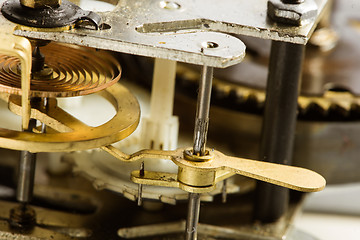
x: 292, y: 12
x: 146, y: 28
x: 240, y: 17
x: 36, y: 14
x: 40, y: 3
x: 123, y: 37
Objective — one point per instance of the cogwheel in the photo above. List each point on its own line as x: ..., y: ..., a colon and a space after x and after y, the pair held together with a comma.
x: 330, y: 89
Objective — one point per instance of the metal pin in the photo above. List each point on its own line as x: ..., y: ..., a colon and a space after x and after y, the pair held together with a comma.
x: 140, y: 187
x: 224, y: 191
x: 200, y: 135
x: 24, y: 191
x: 43, y: 125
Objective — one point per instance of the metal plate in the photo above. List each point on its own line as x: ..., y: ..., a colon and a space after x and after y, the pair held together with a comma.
x: 123, y: 37
x: 231, y: 16
x: 167, y: 26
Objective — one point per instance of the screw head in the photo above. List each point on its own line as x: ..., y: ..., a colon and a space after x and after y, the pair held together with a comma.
x: 292, y: 14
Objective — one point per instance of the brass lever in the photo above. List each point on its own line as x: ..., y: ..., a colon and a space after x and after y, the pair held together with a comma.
x: 201, y: 173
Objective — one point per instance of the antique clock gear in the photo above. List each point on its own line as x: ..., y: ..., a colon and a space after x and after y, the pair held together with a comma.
x: 189, y: 32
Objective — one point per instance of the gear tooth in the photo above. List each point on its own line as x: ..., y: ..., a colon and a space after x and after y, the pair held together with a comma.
x: 324, y: 104
x: 314, y: 111
x: 303, y: 104
x: 236, y: 98
x: 261, y: 97
x: 219, y: 95
x: 337, y: 112
x: 251, y: 103
x: 345, y: 105
x: 355, y: 111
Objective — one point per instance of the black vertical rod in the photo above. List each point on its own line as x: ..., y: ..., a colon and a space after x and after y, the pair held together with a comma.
x: 278, y: 130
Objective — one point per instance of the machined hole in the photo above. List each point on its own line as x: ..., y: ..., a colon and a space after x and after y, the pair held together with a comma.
x: 210, y: 45
x: 169, y: 5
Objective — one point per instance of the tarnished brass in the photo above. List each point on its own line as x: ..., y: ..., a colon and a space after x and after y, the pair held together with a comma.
x: 203, y: 178
x: 40, y: 3
x: 167, y: 180
x: 217, y: 168
x: 69, y: 134
x: 35, y: 29
x: 188, y: 155
x: 75, y: 71
x: 20, y: 48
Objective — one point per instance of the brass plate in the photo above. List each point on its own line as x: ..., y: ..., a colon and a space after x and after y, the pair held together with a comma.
x: 76, y: 71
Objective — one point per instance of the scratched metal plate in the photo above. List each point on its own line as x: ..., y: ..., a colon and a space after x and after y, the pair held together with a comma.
x: 147, y: 28
x: 123, y: 37
x: 242, y: 17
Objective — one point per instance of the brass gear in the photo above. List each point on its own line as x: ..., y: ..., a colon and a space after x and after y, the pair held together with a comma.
x: 332, y: 105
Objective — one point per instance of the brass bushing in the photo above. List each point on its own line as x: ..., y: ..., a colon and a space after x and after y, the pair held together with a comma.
x: 196, y: 177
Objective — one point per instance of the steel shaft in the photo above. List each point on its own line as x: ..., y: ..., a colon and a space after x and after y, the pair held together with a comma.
x: 200, y: 136
x: 202, y: 111
x: 26, y: 176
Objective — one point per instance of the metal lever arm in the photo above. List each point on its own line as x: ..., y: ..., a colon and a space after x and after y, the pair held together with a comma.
x: 295, y: 178
x: 203, y: 174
